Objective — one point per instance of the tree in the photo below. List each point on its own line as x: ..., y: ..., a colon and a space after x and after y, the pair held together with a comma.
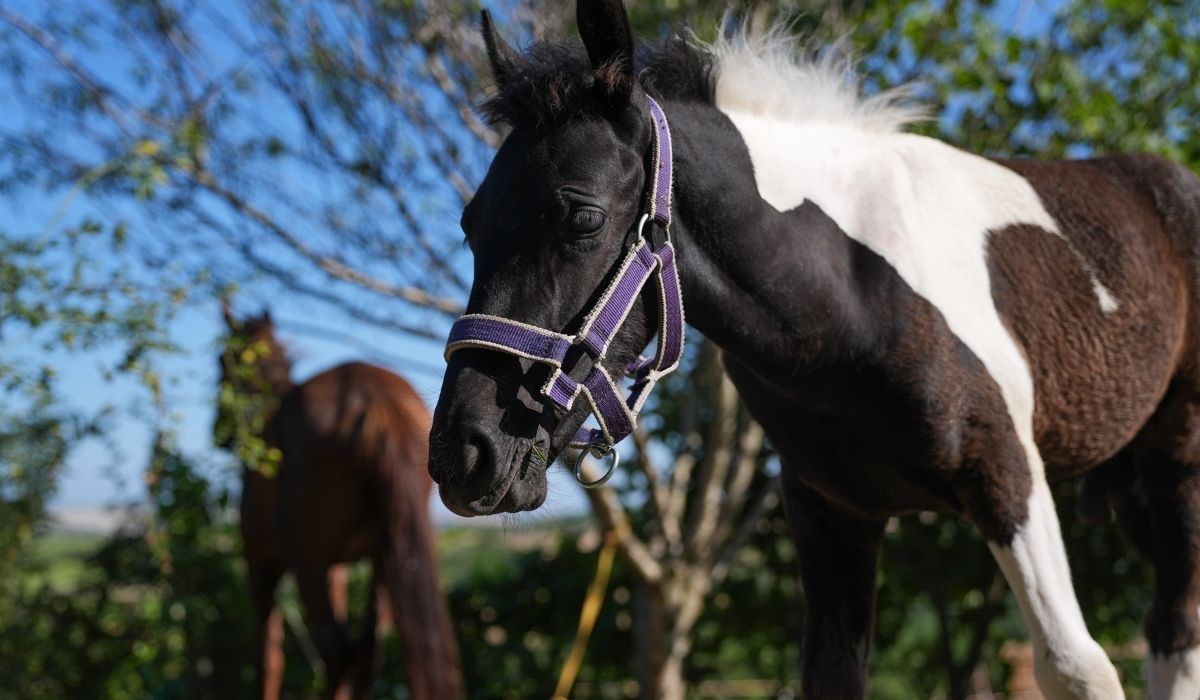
x: 326, y: 147
x: 697, y: 489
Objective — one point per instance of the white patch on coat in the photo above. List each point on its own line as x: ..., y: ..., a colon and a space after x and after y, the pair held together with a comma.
x: 927, y: 209
x: 922, y: 206
x: 1108, y: 302
x: 1174, y: 676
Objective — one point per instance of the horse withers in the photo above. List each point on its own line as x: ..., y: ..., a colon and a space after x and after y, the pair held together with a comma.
x: 349, y: 484
x: 915, y: 327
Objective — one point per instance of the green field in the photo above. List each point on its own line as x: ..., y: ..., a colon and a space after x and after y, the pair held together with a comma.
x: 59, y: 559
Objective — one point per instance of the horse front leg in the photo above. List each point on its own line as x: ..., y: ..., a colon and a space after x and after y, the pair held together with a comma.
x: 839, y: 558
x: 315, y: 582
x: 1006, y: 495
x: 264, y: 579
x: 367, y: 660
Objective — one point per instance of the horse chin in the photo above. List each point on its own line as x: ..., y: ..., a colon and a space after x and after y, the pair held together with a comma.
x: 527, y: 492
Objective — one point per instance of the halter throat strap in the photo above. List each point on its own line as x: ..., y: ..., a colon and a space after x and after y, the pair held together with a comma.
x: 650, y: 258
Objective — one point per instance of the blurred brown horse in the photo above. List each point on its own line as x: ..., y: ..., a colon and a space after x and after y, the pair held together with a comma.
x: 351, y: 483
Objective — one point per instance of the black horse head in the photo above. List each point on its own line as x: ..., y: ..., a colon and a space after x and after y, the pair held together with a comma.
x: 556, y: 212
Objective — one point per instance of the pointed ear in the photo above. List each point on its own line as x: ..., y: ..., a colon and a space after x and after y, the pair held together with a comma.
x: 505, y: 60
x: 604, y: 28
x: 265, y: 319
x: 227, y: 314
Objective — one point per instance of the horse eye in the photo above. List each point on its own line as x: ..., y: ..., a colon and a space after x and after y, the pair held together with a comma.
x: 585, y: 220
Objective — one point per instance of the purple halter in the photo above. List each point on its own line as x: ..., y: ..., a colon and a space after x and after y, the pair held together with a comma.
x: 645, y: 260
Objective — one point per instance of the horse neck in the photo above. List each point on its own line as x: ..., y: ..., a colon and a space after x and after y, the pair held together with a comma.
x: 276, y: 375
x: 276, y: 372
x: 772, y: 289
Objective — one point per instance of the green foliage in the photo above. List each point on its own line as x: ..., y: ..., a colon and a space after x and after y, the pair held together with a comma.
x: 57, y: 297
x: 68, y: 292
x: 160, y: 612
x: 32, y: 449
x: 245, y: 403
x: 516, y: 617
x: 161, y: 609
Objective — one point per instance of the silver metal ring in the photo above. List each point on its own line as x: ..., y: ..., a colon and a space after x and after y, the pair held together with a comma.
x: 599, y: 451
x: 641, y: 225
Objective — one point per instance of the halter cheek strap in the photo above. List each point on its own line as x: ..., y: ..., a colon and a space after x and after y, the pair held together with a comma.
x: 650, y: 258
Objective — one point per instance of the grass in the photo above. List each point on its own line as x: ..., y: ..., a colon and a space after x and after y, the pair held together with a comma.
x: 60, y: 559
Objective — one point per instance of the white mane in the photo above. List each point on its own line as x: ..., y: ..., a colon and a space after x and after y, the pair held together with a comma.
x: 774, y: 75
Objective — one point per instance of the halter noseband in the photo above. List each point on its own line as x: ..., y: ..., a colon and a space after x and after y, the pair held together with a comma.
x: 649, y: 257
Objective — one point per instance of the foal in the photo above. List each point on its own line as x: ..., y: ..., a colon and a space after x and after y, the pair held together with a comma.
x: 915, y: 327
x: 350, y: 485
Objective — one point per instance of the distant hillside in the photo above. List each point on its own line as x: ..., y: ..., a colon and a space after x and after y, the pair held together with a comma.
x: 90, y: 520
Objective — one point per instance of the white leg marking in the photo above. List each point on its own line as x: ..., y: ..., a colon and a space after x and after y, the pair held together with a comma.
x: 1174, y: 676
x: 1068, y: 664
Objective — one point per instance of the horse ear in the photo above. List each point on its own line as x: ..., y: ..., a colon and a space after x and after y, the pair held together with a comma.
x: 604, y: 28
x: 504, y: 58
x: 227, y: 314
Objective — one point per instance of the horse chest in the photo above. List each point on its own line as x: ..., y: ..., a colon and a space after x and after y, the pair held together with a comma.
x: 864, y: 436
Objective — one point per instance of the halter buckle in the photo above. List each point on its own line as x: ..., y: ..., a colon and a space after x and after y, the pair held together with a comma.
x: 598, y: 450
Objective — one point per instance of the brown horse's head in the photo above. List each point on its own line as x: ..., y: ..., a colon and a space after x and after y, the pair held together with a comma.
x: 254, y: 372
x: 547, y: 227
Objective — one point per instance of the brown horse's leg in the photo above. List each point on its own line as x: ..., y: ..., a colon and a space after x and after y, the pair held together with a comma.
x: 839, y: 555
x: 339, y: 590
x: 328, y: 632
x: 269, y: 622
x: 367, y: 659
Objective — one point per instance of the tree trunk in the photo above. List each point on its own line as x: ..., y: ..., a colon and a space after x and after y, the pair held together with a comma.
x: 660, y: 647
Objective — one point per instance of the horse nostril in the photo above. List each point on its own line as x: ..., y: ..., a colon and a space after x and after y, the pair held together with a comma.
x: 475, y: 453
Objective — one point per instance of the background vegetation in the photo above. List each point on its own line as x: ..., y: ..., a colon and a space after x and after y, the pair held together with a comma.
x: 156, y: 155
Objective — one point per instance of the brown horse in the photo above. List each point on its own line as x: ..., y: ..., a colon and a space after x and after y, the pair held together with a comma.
x: 350, y: 484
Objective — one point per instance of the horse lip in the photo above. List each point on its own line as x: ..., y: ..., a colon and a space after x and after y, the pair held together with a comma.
x: 487, y: 504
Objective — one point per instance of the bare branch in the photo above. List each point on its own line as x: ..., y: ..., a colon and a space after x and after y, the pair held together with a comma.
x: 471, y: 120
x: 101, y: 94
x: 332, y: 266
x: 612, y: 516
x: 764, y: 501
x: 681, y: 475
x: 437, y: 68
x: 399, y: 198
x: 370, y: 350
x: 290, y: 281
x: 718, y: 455
x: 749, y: 452
x: 658, y: 493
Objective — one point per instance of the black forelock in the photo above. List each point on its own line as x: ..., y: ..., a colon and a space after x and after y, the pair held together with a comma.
x: 554, y: 82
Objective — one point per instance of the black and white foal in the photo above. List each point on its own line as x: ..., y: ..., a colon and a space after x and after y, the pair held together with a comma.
x: 914, y: 326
